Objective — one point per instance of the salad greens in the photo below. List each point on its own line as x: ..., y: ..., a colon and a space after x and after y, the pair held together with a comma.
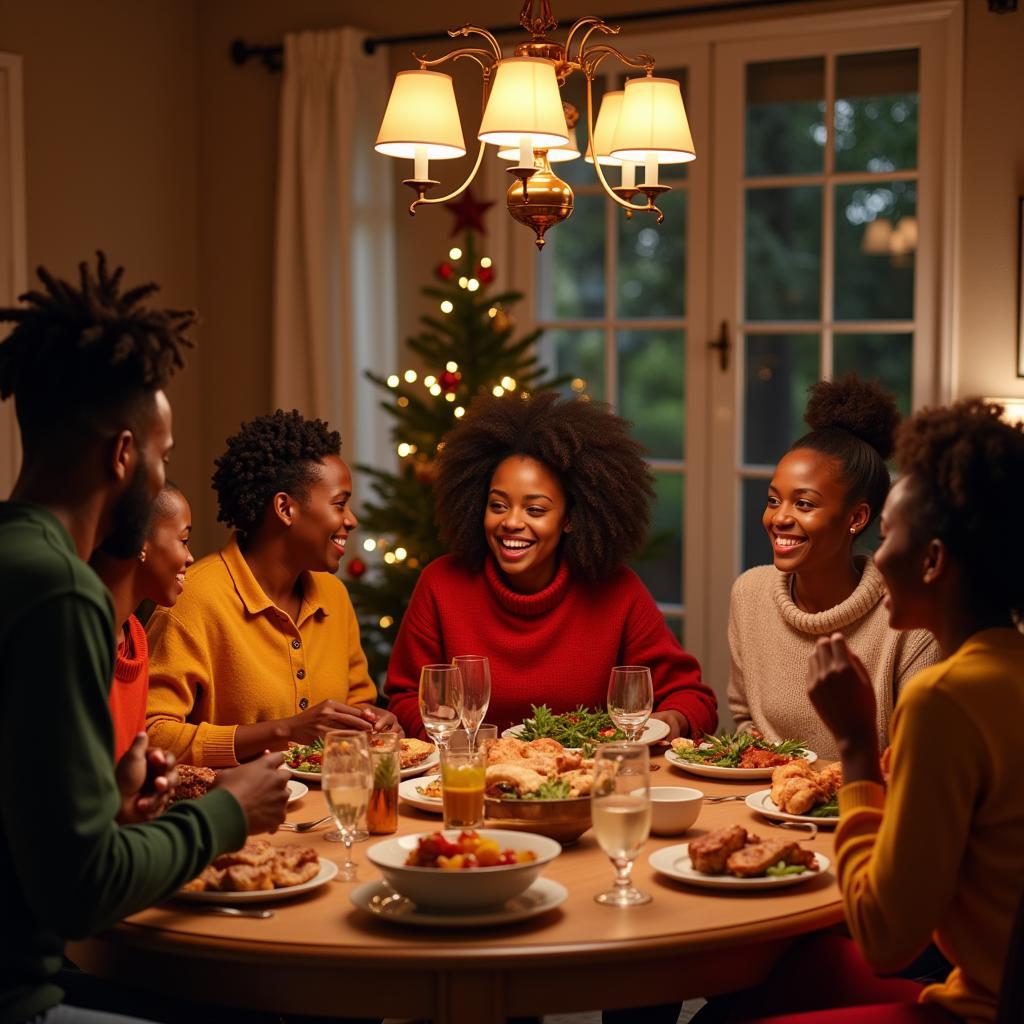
x: 726, y: 750
x: 782, y: 868
x: 829, y: 810
x: 306, y: 758
x: 549, y: 789
x: 580, y: 728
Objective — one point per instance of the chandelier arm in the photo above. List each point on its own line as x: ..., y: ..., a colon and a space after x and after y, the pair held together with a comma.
x: 642, y: 61
x: 475, y: 30
x: 650, y: 206
x: 482, y: 57
x: 598, y: 26
x: 421, y: 201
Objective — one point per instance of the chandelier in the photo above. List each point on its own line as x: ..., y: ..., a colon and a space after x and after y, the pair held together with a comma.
x: 524, y: 116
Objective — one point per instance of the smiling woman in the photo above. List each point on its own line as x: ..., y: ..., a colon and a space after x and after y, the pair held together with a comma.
x: 825, y: 492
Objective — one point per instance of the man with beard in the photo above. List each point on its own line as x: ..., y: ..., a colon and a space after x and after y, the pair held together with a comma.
x: 87, y: 366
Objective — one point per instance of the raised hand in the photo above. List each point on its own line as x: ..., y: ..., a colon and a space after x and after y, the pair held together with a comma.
x: 261, y: 790
x: 146, y: 779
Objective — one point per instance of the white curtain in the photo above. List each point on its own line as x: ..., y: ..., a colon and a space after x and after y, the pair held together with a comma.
x: 334, y: 299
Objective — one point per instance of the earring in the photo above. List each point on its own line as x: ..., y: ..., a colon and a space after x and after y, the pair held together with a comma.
x: 853, y: 529
x: 142, y: 555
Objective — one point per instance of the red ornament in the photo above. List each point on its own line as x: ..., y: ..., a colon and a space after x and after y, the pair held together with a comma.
x: 445, y: 271
x: 450, y: 382
x: 485, y: 275
x: 356, y: 568
x: 468, y: 213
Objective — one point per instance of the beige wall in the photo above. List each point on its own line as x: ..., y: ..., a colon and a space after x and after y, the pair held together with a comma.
x: 143, y: 138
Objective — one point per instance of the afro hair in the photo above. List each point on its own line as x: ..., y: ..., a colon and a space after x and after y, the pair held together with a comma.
x: 607, y: 483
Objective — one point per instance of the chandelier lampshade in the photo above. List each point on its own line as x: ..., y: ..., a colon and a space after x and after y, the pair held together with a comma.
x: 652, y: 125
x: 422, y: 118
x: 524, y: 102
x: 604, y: 129
x: 557, y: 154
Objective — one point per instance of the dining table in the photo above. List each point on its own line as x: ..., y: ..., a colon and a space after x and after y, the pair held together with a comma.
x: 321, y: 955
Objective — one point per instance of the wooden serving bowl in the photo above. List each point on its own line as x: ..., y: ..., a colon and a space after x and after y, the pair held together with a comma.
x: 564, y: 820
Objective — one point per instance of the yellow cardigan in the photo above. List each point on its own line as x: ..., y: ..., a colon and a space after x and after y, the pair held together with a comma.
x: 225, y: 655
x: 943, y: 851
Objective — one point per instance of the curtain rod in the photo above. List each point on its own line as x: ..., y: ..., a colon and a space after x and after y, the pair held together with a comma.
x: 272, y: 57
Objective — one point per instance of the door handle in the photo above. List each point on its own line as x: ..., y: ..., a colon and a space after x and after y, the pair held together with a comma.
x: 722, y: 345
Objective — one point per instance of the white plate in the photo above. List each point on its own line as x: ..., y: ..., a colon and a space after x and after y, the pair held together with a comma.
x: 407, y: 790
x: 429, y: 761
x: 328, y: 869
x: 713, y: 771
x: 674, y: 862
x: 542, y: 896
x: 762, y: 802
x: 296, y: 791
x: 655, y: 730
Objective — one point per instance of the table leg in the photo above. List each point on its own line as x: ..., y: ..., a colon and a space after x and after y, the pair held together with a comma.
x: 470, y: 997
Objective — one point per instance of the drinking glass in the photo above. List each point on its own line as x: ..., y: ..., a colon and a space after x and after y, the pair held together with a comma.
x: 630, y: 699
x: 346, y: 781
x: 462, y: 788
x: 620, y: 805
x: 485, y: 736
x: 382, y: 809
x: 440, y: 701
x: 476, y: 690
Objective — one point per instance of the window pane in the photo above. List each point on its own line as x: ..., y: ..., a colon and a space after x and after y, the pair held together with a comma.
x: 876, y: 111
x: 579, y: 354
x: 876, y: 242
x: 785, y: 117
x: 780, y: 368
x: 570, y: 269
x: 652, y: 262
x: 783, y: 253
x: 887, y: 358
x: 756, y: 549
x: 661, y: 565
x: 651, y: 388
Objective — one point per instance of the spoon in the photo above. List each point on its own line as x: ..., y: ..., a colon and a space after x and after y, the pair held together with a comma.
x: 216, y: 908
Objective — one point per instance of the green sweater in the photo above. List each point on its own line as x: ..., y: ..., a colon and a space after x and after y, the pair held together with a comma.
x: 67, y: 870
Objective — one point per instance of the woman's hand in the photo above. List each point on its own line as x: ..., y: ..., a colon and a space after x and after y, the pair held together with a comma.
x: 383, y: 721
x: 146, y: 779
x: 677, y: 722
x: 312, y: 723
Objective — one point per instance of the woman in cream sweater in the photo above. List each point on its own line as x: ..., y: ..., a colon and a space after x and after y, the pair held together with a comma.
x: 825, y: 491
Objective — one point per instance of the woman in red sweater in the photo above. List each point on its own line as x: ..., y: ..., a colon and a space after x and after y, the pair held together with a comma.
x: 541, y: 503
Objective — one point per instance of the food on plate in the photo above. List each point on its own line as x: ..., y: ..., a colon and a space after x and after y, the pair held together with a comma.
x: 735, y: 851
x: 579, y: 728
x: 738, y: 750
x: 414, y: 752
x: 468, y: 851
x: 539, y: 770
x: 309, y: 758
x: 257, y: 866
x: 798, y: 789
x: 432, y: 789
x: 193, y: 782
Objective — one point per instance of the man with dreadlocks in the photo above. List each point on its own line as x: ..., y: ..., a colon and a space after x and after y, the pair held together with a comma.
x: 86, y: 367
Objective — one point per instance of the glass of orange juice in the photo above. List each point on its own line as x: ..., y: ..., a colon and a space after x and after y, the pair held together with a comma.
x: 462, y: 788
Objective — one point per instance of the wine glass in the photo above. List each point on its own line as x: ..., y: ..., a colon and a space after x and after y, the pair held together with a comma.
x: 630, y: 699
x: 476, y: 691
x: 346, y: 781
x: 620, y: 805
x: 440, y: 701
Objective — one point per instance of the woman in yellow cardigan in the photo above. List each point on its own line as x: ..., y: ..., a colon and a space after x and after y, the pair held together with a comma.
x: 263, y: 647
x: 939, y: 854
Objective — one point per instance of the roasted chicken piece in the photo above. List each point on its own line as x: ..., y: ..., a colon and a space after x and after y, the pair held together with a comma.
x: 516, y: 777
x: 709, y: 853
x: 254, y: 853
x: 756, y: 858
x: 193, y: 782
x: 796, y: 787
x: 248, y: 878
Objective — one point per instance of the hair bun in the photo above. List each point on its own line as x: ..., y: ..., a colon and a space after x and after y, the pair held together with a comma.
x: 864, y: 408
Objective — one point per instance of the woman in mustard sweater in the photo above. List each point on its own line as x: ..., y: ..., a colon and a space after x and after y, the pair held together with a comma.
x: 263, y: 647
x: 939, y: 854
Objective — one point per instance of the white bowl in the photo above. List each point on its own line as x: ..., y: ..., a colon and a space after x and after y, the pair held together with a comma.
x: 468, y: 888
x: 674, y: 809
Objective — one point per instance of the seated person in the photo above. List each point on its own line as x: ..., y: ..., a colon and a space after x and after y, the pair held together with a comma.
x: 155, y: 574
x: 825, y: 492
x: 263, y: 646
x: 541, y: 503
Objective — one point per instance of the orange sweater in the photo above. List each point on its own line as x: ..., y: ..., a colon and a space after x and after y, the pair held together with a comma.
x: 128, y: 691
x: 941, y: 854
x: 225, y: 656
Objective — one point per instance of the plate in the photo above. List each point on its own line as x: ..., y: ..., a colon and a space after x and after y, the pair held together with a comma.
x: 408, y: 792
x: 674, y: 862
x: 762, y: 802
x: 406, y: 773
x: 655, y: 730
x: 296, y: 791
x: 379, y: 899
x: 714, y: 771
x: 328, y: 869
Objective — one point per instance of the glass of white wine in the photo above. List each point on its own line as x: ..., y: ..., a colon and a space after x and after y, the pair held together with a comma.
x: 475, y: 670
x: 440, y: 701
x: 346, y: 781
x: 620, y: 804
x: 630, y: 699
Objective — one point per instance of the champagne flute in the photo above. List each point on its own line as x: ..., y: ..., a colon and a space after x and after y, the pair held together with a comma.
x: 476, y: 691
x: 440, y: 701
x: 620, y: 804
x: 630, y: 699
x: 346, y: 781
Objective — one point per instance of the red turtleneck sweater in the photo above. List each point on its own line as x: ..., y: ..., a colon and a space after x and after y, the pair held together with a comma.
x: 556, y: 647
x: 130, y: 686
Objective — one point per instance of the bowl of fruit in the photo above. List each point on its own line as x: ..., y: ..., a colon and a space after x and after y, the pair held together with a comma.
x: 466, y: 870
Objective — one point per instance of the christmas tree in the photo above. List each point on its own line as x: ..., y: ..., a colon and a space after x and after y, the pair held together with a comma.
x: 466, y: 349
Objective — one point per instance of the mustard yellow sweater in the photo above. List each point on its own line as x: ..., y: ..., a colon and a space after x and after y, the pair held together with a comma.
x: 942, y: 853
x: 225, y: 656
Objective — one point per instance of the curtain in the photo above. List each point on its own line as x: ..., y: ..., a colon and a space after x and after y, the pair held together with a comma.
x: 334, y: 300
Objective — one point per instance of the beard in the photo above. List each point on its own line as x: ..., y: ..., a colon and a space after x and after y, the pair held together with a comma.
x: 131, y: 516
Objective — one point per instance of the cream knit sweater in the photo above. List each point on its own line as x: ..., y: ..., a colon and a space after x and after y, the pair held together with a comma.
x: 771, y: 641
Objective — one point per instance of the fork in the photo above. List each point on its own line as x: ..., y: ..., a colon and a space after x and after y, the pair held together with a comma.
x: 722, y: 799
x: 304, y: 826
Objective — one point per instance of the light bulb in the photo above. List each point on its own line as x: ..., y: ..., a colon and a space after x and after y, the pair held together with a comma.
x: 400, y: 554
x: 459, y: 412
x: 508, y: 383
x: 451, y: 366
x: 446, y: 306
x: 498, y: 391
x: 486, y: 261
x: 393, y: 381
x: 429, y: 382
x: 369, y: 544
x: 385, y: 620
x: 473, y: 284
x: 455, y: 253
x: 410, y: 376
